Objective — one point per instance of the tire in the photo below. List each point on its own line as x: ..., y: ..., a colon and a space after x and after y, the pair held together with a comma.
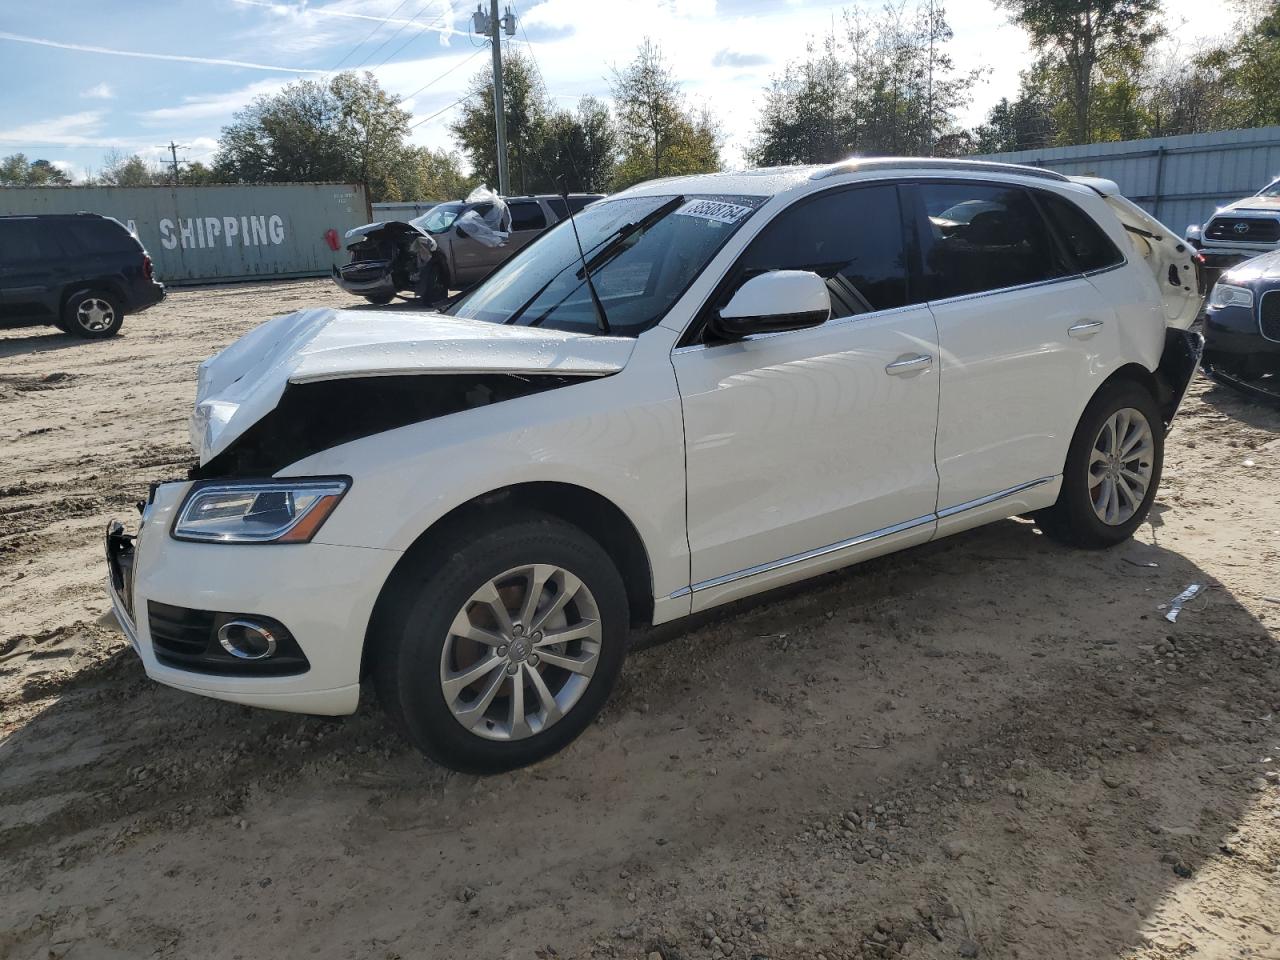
x: 1079, y: 516
x: 419, y: 644
x: 93, y: 315
x: 381, y: 299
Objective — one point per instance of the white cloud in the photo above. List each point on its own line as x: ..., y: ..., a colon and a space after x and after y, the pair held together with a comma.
x: 211, y: 106
x: 181, y: 58
x: 100, y: 91
x: 366, y: 32
x: 70, y: 130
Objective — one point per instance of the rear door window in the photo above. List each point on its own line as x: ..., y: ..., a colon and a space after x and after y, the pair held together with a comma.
x: 981, y: 237
x: 1088, y: 245
x: 527, y: 215
x: 558, y: 207
x: 21, y: 242
x: 852, y: 238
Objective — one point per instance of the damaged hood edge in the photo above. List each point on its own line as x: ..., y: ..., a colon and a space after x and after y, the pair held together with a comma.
x: 240, y: 385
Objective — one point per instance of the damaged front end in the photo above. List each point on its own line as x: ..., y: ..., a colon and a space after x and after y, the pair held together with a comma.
x: 382, y: 260
x: 316, y: 379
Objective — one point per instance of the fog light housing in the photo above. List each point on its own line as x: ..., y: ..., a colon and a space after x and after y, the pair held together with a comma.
x: 247, y: 640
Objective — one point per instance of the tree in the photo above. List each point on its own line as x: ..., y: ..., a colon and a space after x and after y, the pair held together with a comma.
x: 525, y: 109
x: 1083, y: 38
x: 579, y: 148
x: 436, y: 175
x: 16, y: 171
x: 658, y: 134
x: 1248, y: 69
x: 348, y: 129
x: 884, y: 85
x: 128, y: 170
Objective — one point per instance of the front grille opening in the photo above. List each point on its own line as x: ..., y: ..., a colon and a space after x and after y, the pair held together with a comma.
x: 1244, y: 229
x: 1269, y: 315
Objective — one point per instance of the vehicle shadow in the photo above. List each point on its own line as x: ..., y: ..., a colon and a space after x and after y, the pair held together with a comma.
x: 1254, y: 410
x: 1054, y: 757
x: 16, y: 341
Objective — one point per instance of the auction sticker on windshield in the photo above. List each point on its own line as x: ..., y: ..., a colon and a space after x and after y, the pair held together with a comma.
x: 713, y: 210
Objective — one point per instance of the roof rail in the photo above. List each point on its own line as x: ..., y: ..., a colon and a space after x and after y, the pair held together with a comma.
x: 856, y: 164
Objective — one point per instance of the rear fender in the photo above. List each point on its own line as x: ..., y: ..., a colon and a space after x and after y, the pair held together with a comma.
x: 1178, y: 362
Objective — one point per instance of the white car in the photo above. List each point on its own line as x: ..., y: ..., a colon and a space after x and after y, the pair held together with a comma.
x: 769, y: 375
x: 1239, y: 231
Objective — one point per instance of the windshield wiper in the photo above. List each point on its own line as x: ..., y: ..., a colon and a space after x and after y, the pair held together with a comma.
x: 625, y: 232
x: 611, y: 249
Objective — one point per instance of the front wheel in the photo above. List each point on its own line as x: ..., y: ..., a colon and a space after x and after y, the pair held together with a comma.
x: 500, y: 648
x: 381, y: 299
x: 1112, y: 470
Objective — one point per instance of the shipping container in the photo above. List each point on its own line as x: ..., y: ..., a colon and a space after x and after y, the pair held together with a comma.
x: 219, y: 233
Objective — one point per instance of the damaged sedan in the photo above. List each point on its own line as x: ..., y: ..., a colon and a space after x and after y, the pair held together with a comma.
x: 692, y: 392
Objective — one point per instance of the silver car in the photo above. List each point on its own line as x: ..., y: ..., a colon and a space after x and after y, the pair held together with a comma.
x: 384, y: 259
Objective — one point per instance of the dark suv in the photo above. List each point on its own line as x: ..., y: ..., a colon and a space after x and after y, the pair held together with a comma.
x: 80, y: 272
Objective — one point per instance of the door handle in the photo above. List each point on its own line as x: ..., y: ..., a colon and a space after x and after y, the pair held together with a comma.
x: 917, y: 364
x: 1085, y: 329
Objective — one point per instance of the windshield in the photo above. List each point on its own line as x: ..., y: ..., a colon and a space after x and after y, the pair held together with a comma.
x: 643, y: 253
x: 439, y: 218
x: 1270, y: 190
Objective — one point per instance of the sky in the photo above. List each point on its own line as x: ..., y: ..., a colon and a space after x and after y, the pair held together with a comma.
x: 82, y: 78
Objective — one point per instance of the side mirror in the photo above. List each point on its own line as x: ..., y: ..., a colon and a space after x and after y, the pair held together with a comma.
x: 462, y: 233
x: 772, y: 302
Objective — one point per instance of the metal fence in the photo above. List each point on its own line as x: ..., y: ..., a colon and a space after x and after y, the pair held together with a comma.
x: 218, y: 233
x: 1179, y: 180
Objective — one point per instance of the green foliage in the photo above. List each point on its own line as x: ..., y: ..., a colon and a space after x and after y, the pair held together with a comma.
x: 658, y: 134
x: 1089, y: 46
x: 129, y: 170
x: 525, y: 109
x: 885, y: 84
x: 348, y: 129
x: 17, y: 171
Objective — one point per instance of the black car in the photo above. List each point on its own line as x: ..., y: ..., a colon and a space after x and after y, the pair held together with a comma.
x: 1242, y: 327
x: 79, y: 272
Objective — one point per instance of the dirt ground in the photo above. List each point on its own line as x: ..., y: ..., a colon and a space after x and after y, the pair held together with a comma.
x: 991, y: 746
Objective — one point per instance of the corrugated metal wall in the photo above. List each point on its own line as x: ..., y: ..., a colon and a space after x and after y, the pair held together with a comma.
x: 1179, y: 180
x: 219, y: 233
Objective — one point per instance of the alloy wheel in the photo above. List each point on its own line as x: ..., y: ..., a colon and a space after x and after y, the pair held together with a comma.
x: 521, y: 652
x: 1120, y: 466
x: 95, y: 314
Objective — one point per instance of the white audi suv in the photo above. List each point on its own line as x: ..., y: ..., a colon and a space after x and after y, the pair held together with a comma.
x: 698, y: 389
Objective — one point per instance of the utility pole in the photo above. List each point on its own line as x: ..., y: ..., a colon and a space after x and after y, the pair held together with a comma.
x: 494, y: 26
x: 173, y: 152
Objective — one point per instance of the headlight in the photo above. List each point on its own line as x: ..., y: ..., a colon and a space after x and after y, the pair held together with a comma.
x: 284, y: 511
x: 1226, y: 295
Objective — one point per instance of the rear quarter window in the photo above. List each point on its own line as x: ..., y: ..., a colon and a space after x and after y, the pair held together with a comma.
x: 1089, y: 246
x: 99, y: 236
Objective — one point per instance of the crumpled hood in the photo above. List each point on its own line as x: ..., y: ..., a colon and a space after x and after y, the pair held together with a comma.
x: 238, y: 386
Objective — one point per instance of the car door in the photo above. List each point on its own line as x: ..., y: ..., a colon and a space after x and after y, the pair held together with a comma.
x: 30, y: 264
x: 809, y: 449
x: 1021, y: 334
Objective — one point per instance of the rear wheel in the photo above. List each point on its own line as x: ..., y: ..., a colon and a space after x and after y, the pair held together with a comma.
x: 1112, y: 470
x: 502, y: 655
x: 94, y: 315
x: 381, y: 298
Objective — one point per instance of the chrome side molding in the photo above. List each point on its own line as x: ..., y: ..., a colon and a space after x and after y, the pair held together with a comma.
x: 836, y: 547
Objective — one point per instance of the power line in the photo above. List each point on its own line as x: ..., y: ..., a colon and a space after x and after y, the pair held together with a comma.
x: 433, y: 25
x: 442, y: 110
x: 378, y: 26
x: 399, y: 30
x: 456, y: 66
